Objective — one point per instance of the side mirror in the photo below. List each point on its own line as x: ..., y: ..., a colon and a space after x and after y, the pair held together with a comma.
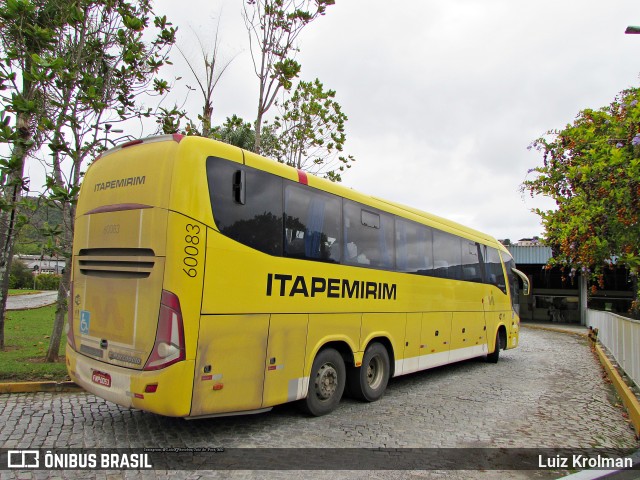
x: 526, y: 284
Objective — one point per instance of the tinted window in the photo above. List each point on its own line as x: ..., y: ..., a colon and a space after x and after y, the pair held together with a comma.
x: 257, y: 222
x: 447, y: 259
x: 313, y: 224
x: 471, y: 269
x: 368, y: 237
x: 248, y: 207
x: 414, y: 249
x: 493, y: 267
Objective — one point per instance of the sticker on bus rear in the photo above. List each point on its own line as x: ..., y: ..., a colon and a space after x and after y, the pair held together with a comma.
x: 85, y: 319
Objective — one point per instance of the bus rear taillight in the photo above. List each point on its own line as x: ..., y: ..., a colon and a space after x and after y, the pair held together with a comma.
x: 169, y: 345
x: 71, y: 340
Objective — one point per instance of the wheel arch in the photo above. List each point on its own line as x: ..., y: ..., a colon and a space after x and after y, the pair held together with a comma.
x: 342, y: 347
x: 501, y: 334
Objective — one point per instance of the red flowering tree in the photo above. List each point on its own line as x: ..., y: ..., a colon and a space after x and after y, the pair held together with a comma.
x: 591, y: 169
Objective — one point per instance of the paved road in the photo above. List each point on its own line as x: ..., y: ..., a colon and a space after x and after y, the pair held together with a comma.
x: 547, y: 393
x: 34, y: 300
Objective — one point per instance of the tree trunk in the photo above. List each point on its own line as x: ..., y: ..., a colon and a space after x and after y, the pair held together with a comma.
x: 61, y: 310
x: 6, y: 257
x: 68, y: 222
x: 14, y: 181
x: 256, y: 145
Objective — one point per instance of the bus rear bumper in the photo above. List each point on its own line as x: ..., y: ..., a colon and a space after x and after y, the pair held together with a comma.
x: 166, y: 391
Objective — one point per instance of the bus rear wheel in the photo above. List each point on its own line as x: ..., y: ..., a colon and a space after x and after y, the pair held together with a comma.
x: 326, y: 383
x: 369, y: 382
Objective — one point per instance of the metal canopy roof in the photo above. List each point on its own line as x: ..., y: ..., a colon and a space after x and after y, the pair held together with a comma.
x: 531, y: 255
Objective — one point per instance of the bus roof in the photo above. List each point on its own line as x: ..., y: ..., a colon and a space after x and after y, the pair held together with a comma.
x: 405, y: 211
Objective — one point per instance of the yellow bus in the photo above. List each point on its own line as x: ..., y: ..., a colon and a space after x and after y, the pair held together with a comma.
x: 208, y: 280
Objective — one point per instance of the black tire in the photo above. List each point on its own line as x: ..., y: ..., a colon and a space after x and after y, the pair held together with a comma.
x: 326, y: 383
x: 369, y: 382
x: 495, y: 356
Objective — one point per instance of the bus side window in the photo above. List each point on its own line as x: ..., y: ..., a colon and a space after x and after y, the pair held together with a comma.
x: 312, y: 224
x: 413, y: 247
x: 471, y: 271
x: 493, y: 268
x: 368, y: 237
x: 256, y: 223
x: 447, y: 255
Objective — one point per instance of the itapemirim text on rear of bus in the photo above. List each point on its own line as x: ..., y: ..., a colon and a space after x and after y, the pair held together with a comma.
x: 208, y: 280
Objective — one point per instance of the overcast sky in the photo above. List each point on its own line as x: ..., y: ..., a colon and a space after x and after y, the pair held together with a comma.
x: 443, y: 97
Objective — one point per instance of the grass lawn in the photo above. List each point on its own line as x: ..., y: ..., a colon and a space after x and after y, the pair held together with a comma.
x: 26, y: 338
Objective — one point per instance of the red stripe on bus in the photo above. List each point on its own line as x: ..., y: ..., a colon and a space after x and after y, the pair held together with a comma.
x: 131, y: 143
x: 302, y: 177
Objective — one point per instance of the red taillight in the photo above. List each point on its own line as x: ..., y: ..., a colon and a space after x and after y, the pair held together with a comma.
x: 169, y: 345
x: 70, y: 337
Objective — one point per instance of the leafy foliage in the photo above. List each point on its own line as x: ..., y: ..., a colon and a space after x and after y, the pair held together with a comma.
x: 274, y: 26
x: 41, y: 226
x: 48, y: 281
x: 21, y: 276
x: 311, y: 131
x: 235, y: 131
x: 28, y: 64
x: 68, y: 69
x: 591, y: 169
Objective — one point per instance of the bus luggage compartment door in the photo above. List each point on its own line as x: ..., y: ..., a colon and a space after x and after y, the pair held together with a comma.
x: 284, y: 366
x: 230, y: 362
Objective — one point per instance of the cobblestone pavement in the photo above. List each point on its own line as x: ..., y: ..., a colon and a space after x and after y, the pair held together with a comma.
x: 33, y: 300
x: 549, y: 392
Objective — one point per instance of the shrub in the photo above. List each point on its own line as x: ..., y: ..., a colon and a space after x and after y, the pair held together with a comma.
x: 47, y: 281
x: 20, y: 275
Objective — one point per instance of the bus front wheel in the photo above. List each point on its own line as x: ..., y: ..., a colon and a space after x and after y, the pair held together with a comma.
x: 495, y: 356
x: 369, y: 382
x: 326, y: 383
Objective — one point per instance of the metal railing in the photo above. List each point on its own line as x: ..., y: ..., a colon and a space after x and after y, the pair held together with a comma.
x: 621, y: 336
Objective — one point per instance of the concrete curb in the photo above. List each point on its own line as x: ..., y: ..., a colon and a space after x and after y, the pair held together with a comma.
x: 554, y: 329
x: 22, y: 309
x: 29, y: 387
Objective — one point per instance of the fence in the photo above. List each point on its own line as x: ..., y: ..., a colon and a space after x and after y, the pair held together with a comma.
x: 621, y: 336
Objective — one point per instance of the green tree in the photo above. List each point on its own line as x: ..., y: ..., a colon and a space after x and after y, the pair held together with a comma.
x: 32, y: 237
x: 21, y: 276
x: 111, y: 57
x: 273, y: 27
x: 48, y: 281
x: 591, y: 169
x: 235, y: 131
x: 28, y: 34
x: 311, y: 133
